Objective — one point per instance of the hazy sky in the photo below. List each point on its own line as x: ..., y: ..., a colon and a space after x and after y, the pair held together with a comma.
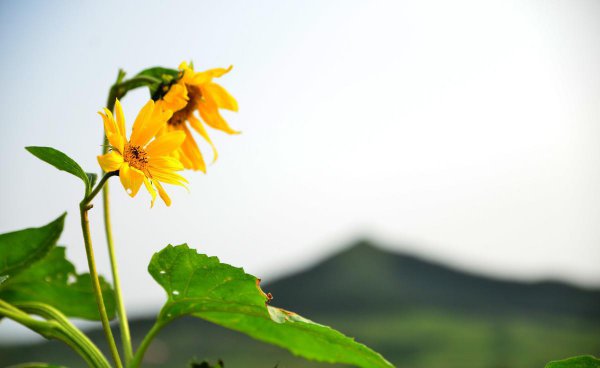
x: 466, y: 132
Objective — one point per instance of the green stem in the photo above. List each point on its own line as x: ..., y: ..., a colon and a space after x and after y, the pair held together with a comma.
x: 84, y: 207
x: 52, y: 330
x: 98, y: 188
x: 118, y: 91
x: 141, y: 350
x: 121, y: 313
x: 78, y: 337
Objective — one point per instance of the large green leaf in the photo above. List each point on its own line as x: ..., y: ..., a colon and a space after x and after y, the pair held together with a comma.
x: 584, y: 361
x: 20, y: 249
x: 53, y: 280
x: 201, y: 286
x: 62, y: 162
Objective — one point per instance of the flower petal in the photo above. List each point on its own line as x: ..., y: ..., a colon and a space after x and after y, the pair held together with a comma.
x: 115, y: 138
x: 209, y: 111
x: 220, y: 96
x: 111, y: 161
x: 166, y: 176
x: 150, y: 190
x: 166, y: 143
x: 120, y: 117
x: 148, y: 122
x: 177, y: 97
x: 192, y: 156
x: 165, y: 163
x: 131, y: 178
x: 197, y: 125
x: 163, y: 195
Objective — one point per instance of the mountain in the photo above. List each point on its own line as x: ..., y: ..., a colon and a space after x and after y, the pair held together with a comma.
x: 364, y: 276
x: 415, y: 312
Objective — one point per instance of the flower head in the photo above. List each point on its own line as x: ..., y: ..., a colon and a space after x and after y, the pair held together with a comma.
x: 141, y: 159
x: 196, y: 92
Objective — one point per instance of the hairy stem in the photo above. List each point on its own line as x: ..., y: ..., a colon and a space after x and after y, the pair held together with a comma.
x: 84, y: 207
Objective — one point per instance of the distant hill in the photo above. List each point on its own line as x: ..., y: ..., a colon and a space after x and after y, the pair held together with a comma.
x: 366, y: 277
x: 415, y: 312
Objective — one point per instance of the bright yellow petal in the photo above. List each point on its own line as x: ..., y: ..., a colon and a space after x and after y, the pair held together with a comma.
x: 208, y: 75
x: 177, y: 98
x: 152, y: 121
x: 115, y: 139
x: 209, y: 111
x: 161, y: 191
x: 131, y: 178
x: 166, y: 176
x: 181, y: 156
x: 165, y: 163
x: 197, y: 125
x: 184, y: 65
x: 220, y: 96
x: 141, y: 121
x: 120, y: 118
x: 166, y: 143
x: 150, y: 190
x: 192, y: 153
x: 111, y: 161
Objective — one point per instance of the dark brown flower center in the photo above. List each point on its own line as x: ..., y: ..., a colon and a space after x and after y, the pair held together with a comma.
x: 135, y: 156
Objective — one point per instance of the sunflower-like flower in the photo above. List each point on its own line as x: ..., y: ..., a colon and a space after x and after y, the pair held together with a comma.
x: 141, y: 160
x: 196, y: 91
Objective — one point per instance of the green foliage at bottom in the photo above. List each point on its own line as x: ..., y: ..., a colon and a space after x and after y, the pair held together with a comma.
x: 202, y: 286
x: 34, y: 269
x: 584, y: 361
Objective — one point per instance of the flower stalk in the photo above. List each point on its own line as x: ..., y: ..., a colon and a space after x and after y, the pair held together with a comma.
x: 56, y: 327
x: 83, y: 344
x: 121, y: 312
x: 84, y: 208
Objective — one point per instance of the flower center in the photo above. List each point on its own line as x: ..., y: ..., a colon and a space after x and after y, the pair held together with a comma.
x: 135, y: 156
x: 179, y: 117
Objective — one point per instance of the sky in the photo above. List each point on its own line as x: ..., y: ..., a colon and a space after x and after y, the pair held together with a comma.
x: 464, y: 132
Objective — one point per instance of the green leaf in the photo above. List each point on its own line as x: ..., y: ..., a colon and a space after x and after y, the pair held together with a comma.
x: 92, y: 178
x: 166, y: 77
x: 201, y: 286
x: 20, y: 249
x: 53, y: 280
x: 158, y: 72
x: 61, y: 161
x: 584, y: 361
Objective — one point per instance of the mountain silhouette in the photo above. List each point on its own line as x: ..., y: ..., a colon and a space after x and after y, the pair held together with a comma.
x: 366, y: 277
x: 415, y: 312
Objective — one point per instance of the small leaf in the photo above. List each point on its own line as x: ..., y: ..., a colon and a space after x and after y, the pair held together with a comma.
x: 201, y: 286
x: 584, y: 361
x: 92, y: 178
x: 53, y: 280
x: 20, y: 249
x: 158, y: 72
x: 165, y: 75
x: 61, y: 161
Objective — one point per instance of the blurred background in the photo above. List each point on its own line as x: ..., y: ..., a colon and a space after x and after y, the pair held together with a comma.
x: 422, y: 176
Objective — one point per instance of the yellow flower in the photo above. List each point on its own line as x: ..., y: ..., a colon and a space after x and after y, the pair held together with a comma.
x: 140, y: 160
x: 195, y: 91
